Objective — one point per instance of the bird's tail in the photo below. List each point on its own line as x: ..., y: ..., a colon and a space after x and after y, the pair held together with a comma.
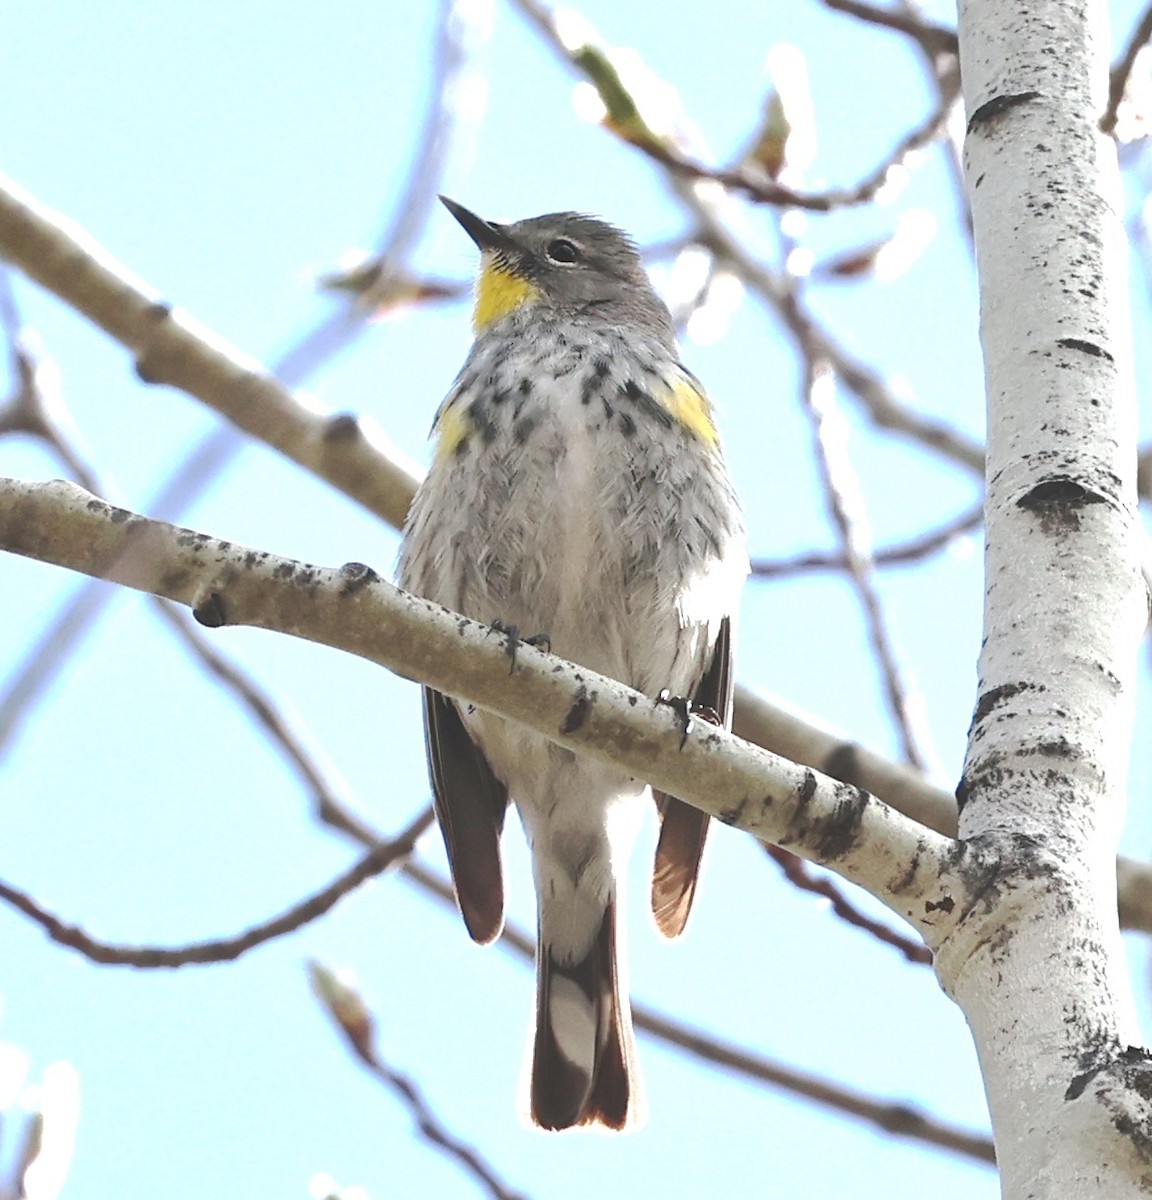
x: 583, y: 1061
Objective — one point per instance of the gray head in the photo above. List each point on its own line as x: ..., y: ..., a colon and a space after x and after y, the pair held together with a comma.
x: 566, y: 264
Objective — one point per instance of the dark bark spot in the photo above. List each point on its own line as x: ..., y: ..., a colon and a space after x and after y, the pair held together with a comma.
x: 356, y: 575
x: 342, y: 428
x: 807, y: 789
x: 1058, y: 491
x: 211, y: 612
x: 997, y: 695
x: 733, y: 816
x: 839, y: 832
x: 157, y: 312
x: 1057, y: 748
x: 1057, y: 504
x: 997, y: 107
x: 1084, y: 347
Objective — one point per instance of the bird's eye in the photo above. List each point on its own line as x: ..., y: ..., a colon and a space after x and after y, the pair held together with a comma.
x: 563, y: 251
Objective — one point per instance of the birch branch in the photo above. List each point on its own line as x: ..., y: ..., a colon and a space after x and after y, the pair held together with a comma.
x: 920, y: 874
x: 211, y: 376
x: 171, y: 347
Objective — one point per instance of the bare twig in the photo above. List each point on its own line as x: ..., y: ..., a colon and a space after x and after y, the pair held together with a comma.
x: 800, y: 875
x: 1122, y: 71
x: 462, y: 26
x: 373, y: 471
x: 753, y: 185
x: 902, y: 553
x: 900, y: 1118
x: 935, y: 39
x: 903, y: 1120
x: 319, y: 778
x: 376, y: 861
x: 347, y: 1007
x: 882, y: 407
x: 846, y: 507
x: 433, y: 1129
x: 35, y: 405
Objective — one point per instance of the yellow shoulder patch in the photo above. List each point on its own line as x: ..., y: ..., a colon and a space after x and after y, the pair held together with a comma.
x: 688, y: 404
x: 498, y: 292
x: 452, y: 426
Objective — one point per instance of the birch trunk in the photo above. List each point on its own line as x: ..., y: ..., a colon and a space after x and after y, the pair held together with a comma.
x: 1037, y: 964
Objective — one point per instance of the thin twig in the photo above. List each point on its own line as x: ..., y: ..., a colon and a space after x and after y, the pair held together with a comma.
x: 895, y: 1117
x: 344, y: 1003
x: 375, y: 862
x: 846, y: 508
x: 433, y: 1130
x: 914, y: 550
x: 36, y: 405
x: 800, y: 875
x: 285, y: 734
x: 1122, y: 71
x: 752, y: 185
x: 935, y: 39
x: 461, y: 27
x: 365, y: 467
x: 763, y: 191
x: 881, y: 405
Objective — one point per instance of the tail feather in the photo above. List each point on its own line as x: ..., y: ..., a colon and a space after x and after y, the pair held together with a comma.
x: 583, y: 1069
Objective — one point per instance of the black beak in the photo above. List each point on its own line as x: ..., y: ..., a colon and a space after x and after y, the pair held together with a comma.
x: 486, y: 234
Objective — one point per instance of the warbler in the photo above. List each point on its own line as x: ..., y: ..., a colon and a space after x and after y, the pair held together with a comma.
x: 577, y: 491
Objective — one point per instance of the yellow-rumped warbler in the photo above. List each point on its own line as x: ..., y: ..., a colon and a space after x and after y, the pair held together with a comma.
x: 577, y: 491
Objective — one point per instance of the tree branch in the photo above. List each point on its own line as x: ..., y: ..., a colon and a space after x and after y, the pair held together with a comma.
x: 934, y: 39
x: 62, y: 524
x: 171, y: 347
x: 924, y: 876
x: 345, y: 1005
x: 900, y: 554
x: 1118, y: 80
x: 892, y: 1116
x: 374, y: 863
x: 845, y: 504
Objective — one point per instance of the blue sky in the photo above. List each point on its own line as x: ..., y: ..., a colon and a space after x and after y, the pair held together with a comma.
x: 228, y: 155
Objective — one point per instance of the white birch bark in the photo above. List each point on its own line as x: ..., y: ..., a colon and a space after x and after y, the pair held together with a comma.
x: 1037, y: 965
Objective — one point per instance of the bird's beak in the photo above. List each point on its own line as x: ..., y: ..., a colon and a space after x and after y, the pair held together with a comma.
x: 486, y: 234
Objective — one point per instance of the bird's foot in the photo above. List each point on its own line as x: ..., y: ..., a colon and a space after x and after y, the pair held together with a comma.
x: 685, y: 710
x: 515, y: 641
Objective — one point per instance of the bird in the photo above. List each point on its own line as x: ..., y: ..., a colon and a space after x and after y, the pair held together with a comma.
x: 577, y: 497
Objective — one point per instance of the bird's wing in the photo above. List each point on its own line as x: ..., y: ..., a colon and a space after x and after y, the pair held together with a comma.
x: 683, y: 828
x: 470, y: 805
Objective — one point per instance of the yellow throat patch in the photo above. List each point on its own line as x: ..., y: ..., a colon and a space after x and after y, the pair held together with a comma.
x: 498, y: 292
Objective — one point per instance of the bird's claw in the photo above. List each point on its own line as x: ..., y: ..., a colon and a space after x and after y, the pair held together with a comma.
x: 685, y: 710
x: 515, y: 641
